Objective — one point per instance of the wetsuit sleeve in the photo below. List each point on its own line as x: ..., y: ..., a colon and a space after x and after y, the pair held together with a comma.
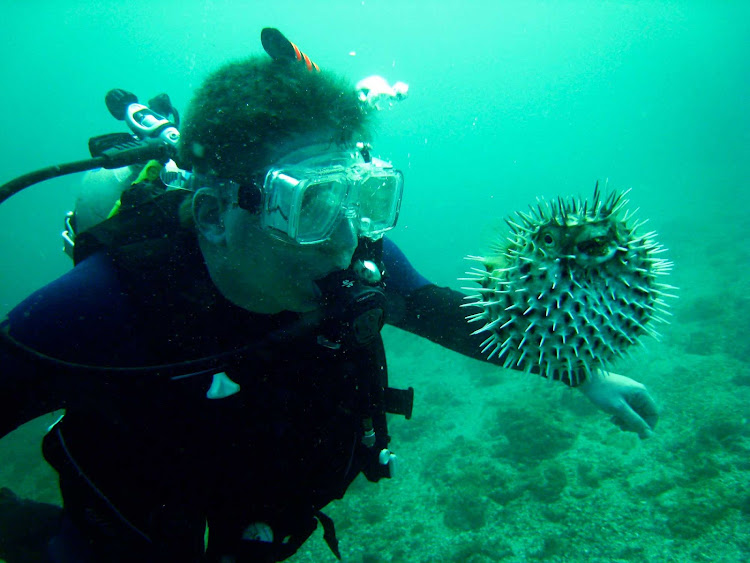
x: 421, y: 307
x: 402, y: 278
x: 80, y: 317
x: 433, y: 312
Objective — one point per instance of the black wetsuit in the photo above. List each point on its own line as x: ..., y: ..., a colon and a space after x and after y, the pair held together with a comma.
x: 145, y: 461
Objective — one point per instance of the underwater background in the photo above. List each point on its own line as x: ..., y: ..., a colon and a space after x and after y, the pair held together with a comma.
x: 508, y: 101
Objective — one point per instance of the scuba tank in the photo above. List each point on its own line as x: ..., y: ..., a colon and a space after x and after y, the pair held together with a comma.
x: 102, y: 190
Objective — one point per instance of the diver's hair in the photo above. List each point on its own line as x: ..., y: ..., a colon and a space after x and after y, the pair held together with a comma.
x: 247, y: 109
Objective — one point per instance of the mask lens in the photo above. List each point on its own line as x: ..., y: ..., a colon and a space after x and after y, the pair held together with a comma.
x: 380, y: 199
x: 306, y: 200
x: 280, y: 189
x: 319, y: 209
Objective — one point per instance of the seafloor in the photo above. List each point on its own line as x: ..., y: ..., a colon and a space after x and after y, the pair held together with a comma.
x: 499, y: 466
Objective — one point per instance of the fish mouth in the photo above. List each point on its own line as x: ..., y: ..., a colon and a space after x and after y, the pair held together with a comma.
x: 596, y: 247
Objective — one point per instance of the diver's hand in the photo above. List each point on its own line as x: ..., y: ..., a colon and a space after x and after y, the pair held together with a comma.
x: 629, y: 402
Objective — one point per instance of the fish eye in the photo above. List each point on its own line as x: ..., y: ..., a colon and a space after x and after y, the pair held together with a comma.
x: 549, y: 237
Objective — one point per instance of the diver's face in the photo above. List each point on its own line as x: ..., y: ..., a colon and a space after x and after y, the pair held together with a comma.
x: 251, y: 244
x: 260, y: 270
x: 268, y: 275
x: 275, y: 270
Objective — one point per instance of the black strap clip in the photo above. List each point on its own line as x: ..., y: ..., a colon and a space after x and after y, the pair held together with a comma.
x: 399, y: 401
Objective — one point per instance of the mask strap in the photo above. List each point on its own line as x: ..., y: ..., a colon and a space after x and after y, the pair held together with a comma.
x: 250, y: 197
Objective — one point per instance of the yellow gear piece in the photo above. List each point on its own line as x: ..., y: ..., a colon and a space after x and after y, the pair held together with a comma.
x: 149, y: 173
x: 115, y: 209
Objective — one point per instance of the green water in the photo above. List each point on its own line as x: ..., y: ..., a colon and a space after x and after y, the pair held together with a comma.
x: 508, y: 101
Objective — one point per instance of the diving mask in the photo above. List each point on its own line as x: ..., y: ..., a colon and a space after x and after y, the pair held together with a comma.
x: 305, y: 195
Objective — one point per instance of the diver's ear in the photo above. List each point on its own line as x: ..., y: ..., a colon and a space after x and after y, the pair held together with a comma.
x: 208, y: 215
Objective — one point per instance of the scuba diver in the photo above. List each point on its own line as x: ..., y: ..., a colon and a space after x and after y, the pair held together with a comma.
x: 217, y: 345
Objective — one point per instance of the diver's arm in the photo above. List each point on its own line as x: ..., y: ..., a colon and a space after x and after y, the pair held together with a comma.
x: 80, y: 317
x: 421, y: 307
x: 435, y: 313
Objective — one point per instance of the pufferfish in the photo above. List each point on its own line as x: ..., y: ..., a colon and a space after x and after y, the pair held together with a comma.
x: 571, y: 289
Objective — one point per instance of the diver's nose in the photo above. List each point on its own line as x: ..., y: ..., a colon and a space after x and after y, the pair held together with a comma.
x: 343, y: 242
